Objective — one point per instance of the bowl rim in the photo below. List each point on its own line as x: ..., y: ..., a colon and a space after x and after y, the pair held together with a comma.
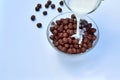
x: 60, y: 52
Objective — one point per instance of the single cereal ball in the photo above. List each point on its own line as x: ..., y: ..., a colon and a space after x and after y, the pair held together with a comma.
x: 52, y: 29
x: 52, y: 37
x: 55, y: 32
x: 60, y: 41
x: 46, y: 5
x: 92, y: 30
x: 44, y: 13
x: 56, y: 43
x: 65, y: 22
x: 39, y: 5
x: 59, y: 47
x: 69, y: 40
x: 58, y: 22
x: 69, y: 50
x: 94, y: 37
x: 76, y: 46
x: 89, y: 25
x: 78, y: 50
x: 73, y: 16
x: 65, y: 40
x: 71, y: 46
x: 52, y: 6
x: 84, y: 45
x: 39, y: 25
x: 37, y: 8
x: 59, y: 9
x: 60, y: 29
x: 89, y: 44
x: 75, y: 41
x: 83, y: 49
x: 85, y: 40
x: 61, y: 3
x: 67, y: 45
x: 49, y: 2
x: 33, y: 17
x: 74, y: 50
x: 66, y: 27
x: 65, y: 34
x: 64, y: 49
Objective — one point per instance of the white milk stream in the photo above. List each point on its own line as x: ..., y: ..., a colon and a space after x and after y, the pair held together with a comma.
x: 81, y: 8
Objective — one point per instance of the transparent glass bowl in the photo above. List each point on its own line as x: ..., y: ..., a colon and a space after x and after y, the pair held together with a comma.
x: 68, y: 15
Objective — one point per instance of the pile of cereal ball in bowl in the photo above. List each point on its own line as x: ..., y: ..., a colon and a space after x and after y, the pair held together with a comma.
x: 63, y: 26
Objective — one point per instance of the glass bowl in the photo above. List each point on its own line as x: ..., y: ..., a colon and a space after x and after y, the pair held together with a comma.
x: 68, y: 15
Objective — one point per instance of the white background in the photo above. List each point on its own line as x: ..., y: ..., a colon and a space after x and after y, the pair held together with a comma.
x: 25, y: 53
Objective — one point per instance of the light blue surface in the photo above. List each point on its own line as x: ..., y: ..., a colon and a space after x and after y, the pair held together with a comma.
x: 25, y: 53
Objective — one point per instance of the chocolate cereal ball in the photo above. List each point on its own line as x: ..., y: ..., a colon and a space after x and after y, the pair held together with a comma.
x: 52, y: 6
x: 44, y: 13
x: 33, y: 17
x: 39, y: 25
x: 59, y: 9
x: 61, y: 3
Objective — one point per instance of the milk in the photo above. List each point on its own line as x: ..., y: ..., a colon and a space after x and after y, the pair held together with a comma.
x: 83, y: 7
